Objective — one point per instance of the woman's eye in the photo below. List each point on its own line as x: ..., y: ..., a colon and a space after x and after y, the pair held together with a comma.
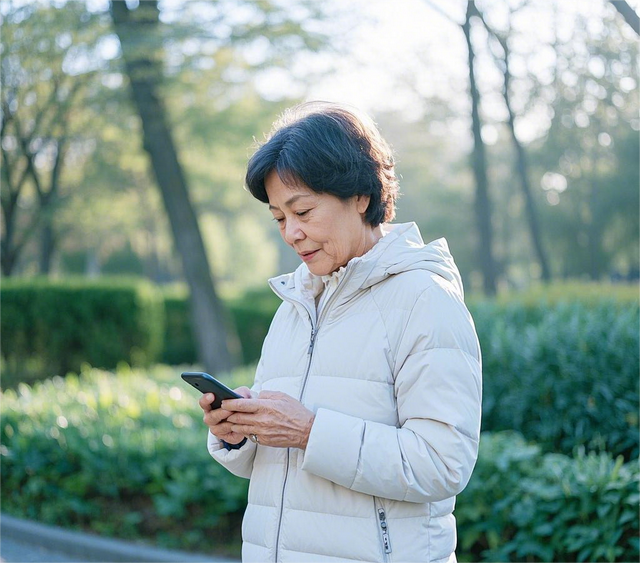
x: 278, y: 220
x: 301, y: 213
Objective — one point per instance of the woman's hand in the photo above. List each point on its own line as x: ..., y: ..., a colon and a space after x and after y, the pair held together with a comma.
x: 277, y: 419
x: 215, y: 419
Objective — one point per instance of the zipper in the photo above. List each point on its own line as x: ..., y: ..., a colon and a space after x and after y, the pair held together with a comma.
x: 314, y: 333
x: 381, y: 518
x: 286, y: 473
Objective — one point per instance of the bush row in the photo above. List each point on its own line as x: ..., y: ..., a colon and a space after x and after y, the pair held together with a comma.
x: 251, y: 314
x: 125, y: 454
x: 567, y: 379
x: 558, y: 360
x: 51, y: 327
x: 562, y: 371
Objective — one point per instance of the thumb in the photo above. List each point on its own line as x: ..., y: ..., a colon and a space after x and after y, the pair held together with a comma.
x: 244, y: 391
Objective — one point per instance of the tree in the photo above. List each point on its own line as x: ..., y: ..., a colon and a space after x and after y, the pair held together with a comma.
x: 217, y: 343
x: 521, y: 165
x: 37, y: 128
x: 143, y: 39
x: 482, y: 206
x: 479, y: 161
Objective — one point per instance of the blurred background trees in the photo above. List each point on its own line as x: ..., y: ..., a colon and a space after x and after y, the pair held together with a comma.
x: 553, y: 107
x: 530, y: 172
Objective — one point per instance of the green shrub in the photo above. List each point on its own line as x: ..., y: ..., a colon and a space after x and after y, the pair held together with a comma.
x: 251, y: 314
x: 62, y: 324
x: 523, y: 505
x: 542, y: 296
x: 121, y: 455
x: 125, y: 455
x: 179, y: 344
x: 564, y: 375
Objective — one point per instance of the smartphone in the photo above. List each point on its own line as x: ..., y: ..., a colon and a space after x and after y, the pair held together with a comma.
x: 208, y: 384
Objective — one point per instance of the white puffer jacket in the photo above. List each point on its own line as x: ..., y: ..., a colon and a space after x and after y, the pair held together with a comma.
x: 392, y: 369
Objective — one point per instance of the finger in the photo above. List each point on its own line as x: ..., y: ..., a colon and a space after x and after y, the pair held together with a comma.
x: 242, y: 418
x: 241, y: 405
x: 269, y: 394
x: 244, y: 429
x: 206, y: 400
x: 222, y: 429
x: 215, y: 416
x: 244, y: 391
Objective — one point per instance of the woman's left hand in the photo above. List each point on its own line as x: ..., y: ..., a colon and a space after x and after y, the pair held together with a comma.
x: 277, y: 419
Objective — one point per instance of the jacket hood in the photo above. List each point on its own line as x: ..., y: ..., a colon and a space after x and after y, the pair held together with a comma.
x: 401, y: 249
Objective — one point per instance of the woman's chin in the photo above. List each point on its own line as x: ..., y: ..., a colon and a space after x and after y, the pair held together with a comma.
x: 318, y: 270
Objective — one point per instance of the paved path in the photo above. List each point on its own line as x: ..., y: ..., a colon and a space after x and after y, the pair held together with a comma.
x: 13, y: 551
x: 23, y: 541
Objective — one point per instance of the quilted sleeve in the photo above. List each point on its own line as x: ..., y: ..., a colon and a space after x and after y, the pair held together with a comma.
x: 240, y: 461
x: 438, y: 385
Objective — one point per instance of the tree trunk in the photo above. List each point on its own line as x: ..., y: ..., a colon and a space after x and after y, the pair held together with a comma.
x: 594, y: 235
x: 522, y: 170
x: 8, y: 254
x: 47, y: 245
x: 628, y: 14
x: 482, y: 202
x: 216, y: 344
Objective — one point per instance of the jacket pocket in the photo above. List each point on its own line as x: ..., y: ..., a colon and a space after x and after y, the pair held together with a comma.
x: 383, y: 529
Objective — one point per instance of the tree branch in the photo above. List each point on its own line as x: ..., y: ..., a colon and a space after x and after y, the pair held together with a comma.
x: 628, y: 14
x: 442, y: 13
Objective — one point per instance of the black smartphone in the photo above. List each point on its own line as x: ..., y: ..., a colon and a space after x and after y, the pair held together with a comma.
x: 206, y: 383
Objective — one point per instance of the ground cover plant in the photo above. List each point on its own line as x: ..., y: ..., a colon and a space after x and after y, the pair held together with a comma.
x: 526, y: 505
x: 122, y: 454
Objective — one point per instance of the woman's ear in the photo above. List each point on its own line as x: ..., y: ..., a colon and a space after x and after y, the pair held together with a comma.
x: 362, y: 203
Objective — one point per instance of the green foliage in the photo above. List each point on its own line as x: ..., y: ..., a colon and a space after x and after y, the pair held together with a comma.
x: 523, y: 505
x: 179, y: 346
x: 557, y: 359
x: 125, y: 454
x: 120, y: 454
x: 251, y: 314
x: 59, y: 325
x: 538, y: 297
x: 558, y: 373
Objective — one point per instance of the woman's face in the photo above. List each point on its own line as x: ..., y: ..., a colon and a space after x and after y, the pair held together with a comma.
x: 324, y: 230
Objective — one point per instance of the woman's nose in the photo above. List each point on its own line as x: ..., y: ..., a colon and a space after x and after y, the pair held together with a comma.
x: 292, y: 232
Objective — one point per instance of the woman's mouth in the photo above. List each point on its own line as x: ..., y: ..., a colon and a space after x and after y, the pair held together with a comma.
x: 307, y: 257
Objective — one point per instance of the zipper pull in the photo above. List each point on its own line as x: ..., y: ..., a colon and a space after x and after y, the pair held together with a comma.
x: 385, y: 533
x: 313, y: 337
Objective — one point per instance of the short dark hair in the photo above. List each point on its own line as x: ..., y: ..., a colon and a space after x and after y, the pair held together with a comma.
x: 330, y: 149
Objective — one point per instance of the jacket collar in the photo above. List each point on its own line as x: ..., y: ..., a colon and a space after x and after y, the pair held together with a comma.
x: 401, y: 249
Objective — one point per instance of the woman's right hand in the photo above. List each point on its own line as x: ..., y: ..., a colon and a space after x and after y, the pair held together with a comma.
x: 215, y: 418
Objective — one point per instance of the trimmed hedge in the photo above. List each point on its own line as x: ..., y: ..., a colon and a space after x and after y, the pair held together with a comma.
x: 523, y: 505
x: 251, y: 314
x: 59, y: 325
x: 567, y: 378
x: 125, y: 454
x: 557, y: 361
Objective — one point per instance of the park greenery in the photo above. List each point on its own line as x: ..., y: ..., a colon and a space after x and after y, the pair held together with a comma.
x: 123, y: 452
x: 522, y: 152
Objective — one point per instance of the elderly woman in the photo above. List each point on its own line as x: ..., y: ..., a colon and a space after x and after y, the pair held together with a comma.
x: 364, y: 418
